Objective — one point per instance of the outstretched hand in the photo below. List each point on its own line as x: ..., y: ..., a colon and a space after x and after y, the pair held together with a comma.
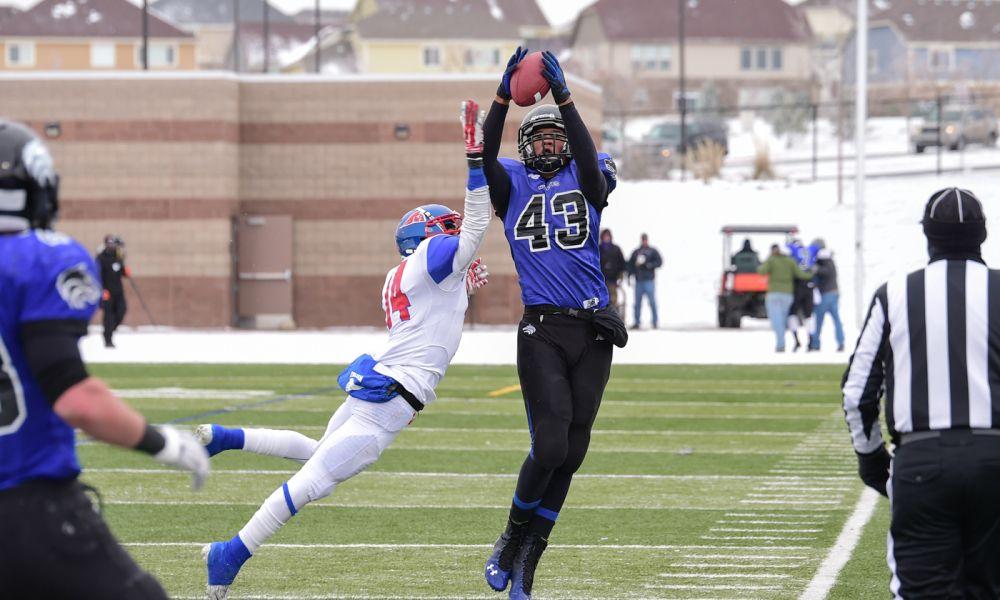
x: 553, y: 73
x: 477, y: 277
x: 504, y: 90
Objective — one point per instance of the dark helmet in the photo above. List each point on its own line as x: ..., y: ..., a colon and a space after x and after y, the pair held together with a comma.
x: 954, y: 220
x: 29, y: 186
x: 545, y: 116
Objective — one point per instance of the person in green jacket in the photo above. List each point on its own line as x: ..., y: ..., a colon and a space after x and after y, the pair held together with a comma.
x: 782, y: 271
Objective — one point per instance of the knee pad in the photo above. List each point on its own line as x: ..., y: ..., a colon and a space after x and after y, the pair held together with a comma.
x: 578, y: 445
x: 549, y: 451
x: 349, y: 456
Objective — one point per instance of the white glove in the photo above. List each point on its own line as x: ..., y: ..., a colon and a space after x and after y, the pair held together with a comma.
x: 184, y: 452
x: 476, y: 277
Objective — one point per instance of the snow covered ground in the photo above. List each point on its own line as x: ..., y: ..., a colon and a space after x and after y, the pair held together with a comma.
x: 683, y: 220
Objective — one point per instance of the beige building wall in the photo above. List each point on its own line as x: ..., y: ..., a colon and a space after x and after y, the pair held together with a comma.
x: 74, y: 54
x: 407, y: 56
x: 168, y: 162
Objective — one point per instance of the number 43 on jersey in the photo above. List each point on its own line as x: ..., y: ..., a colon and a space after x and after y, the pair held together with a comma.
x: 532, y: 224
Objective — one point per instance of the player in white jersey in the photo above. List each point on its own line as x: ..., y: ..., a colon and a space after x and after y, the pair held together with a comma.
x: 425, y: 298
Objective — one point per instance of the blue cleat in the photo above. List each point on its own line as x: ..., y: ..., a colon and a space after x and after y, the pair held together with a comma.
x: 523, y: 576
x: 500, y: 563
x: 224, y: 560
x: 216, y: 438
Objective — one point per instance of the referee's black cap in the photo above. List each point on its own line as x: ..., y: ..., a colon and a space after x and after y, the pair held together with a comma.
x: 954, y: 220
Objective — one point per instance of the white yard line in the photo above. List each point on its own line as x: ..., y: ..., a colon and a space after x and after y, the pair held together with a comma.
x: 762, y: 530
x: 748, y: 557
x: 418, y: 474
x: 824, y: 579
x: 728, y: 575
x: 676, y: 586
x: 732, y: 565
x: 465, y: 546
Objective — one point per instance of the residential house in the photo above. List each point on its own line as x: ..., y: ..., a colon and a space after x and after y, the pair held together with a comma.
x: 736, y: 52
x: 335, y: 54
x: 916, y: 47
x: 76, y: 35
x: 442, y: 36
x: 212, y: 23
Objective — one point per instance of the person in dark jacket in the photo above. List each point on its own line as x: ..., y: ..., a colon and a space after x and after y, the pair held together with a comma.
x: 111, y: 261
x: 642, y: 265
x: 826, y: 282
x: 746, y: 260
x: 612, y: 265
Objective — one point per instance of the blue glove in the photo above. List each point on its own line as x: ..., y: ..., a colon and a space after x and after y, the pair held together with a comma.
x: 553, y: 73
x: 504, y: 90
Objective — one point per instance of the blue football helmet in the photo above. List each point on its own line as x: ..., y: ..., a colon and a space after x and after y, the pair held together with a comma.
x: 423, y: 222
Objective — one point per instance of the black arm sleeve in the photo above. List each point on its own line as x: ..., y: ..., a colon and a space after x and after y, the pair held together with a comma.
x: 592, y: 183
x: 53, y: 354
x: 496, y: 176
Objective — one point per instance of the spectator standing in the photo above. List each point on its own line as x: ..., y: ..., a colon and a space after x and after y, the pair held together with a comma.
x: 782, y: 271
x: 826, y: 283
x: 642, y: 265
x: 612, y: 265
x: 111, y: 261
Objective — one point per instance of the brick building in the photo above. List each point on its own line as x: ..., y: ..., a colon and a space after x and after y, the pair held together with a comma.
x: 168, y: 161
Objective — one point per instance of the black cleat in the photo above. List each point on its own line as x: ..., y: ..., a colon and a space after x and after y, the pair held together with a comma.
x: 523, y: 575
x: 500, y: 563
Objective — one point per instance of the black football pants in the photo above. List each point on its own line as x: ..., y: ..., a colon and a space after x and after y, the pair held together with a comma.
x: 114, y: 313
x: 56, y: 546
x: 563, y: 369
x: 944, y: 540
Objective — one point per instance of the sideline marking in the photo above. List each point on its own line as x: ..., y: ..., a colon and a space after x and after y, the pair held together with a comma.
x: 842, y: 550
x: 505, y: 390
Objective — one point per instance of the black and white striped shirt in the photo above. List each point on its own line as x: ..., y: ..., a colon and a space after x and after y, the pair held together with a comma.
x: 931, y: 343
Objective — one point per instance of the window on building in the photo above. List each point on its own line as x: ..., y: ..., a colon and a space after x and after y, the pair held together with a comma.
x: 102, y: 55
x: 432, y: 56
x: 482, y: 57
x: 873, y: 62
x: 20, y: 54
x: 746, y: 59
x: 777, y: 59
x: 940, y: 60
x: 651, y: 57
x: 761, y: 59
x: 160, y: 55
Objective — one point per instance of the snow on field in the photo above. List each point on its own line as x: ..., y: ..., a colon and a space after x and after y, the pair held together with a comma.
x: 683, y: 220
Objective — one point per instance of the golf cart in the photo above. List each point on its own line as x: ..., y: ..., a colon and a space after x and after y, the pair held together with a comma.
x: 742, y: 289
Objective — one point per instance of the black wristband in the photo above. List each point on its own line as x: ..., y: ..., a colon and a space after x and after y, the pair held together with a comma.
x: 152, y: 441
x: 475, y: 160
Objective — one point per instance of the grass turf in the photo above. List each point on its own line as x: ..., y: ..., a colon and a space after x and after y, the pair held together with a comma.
x: 701, y: 482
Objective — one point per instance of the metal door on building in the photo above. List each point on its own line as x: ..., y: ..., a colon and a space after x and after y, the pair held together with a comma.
x: 264, y: 271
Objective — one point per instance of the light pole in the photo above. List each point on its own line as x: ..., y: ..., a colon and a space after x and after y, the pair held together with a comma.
x: 861, y: 116
x: 318, y: 62
x: 682, y: 149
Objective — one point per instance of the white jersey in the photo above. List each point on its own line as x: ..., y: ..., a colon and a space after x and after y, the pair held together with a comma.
x: 425, y: 299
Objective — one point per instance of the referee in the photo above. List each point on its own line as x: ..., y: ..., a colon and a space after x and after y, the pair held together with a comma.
x: 931, y: 342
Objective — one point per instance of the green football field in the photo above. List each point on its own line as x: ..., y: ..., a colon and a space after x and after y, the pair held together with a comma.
x: 701, y: 482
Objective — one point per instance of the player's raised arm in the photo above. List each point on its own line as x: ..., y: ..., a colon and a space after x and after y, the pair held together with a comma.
x: 496, y: 175
x: 593, y: 184
x: 477, y: 192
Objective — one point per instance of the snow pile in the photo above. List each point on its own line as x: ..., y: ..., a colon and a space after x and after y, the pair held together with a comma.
x: 683, y: 220
x: 64, y: 10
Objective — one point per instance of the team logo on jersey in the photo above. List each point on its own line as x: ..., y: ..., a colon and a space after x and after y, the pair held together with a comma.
x: 77, y: 287
x: 354, y: 383
x: 529, y: 329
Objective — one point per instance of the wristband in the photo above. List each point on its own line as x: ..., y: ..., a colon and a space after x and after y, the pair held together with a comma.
x: 152, y: 441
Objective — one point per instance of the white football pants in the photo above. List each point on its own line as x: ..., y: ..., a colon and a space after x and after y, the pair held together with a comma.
x: 355, y: 437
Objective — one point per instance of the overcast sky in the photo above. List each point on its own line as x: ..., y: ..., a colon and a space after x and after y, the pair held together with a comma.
x: 558, y: 12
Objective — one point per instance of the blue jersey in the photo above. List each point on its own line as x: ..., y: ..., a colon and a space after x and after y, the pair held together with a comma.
x: 554, y: 234
x: 44, y: 276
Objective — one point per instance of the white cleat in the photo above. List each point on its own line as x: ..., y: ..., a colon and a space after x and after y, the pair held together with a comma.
x: 215, y: 592
x: 203, y: 433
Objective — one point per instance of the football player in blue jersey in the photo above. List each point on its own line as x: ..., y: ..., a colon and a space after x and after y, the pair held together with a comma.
x: 54, y: 544
x: 551, y: 203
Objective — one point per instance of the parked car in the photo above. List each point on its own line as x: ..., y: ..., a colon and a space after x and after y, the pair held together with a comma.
x: 959, y: 125
x: 664, y: 139
x: 611, y: 142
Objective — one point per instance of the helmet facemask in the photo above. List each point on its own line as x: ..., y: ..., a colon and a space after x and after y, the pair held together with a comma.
x: 543, y: 126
